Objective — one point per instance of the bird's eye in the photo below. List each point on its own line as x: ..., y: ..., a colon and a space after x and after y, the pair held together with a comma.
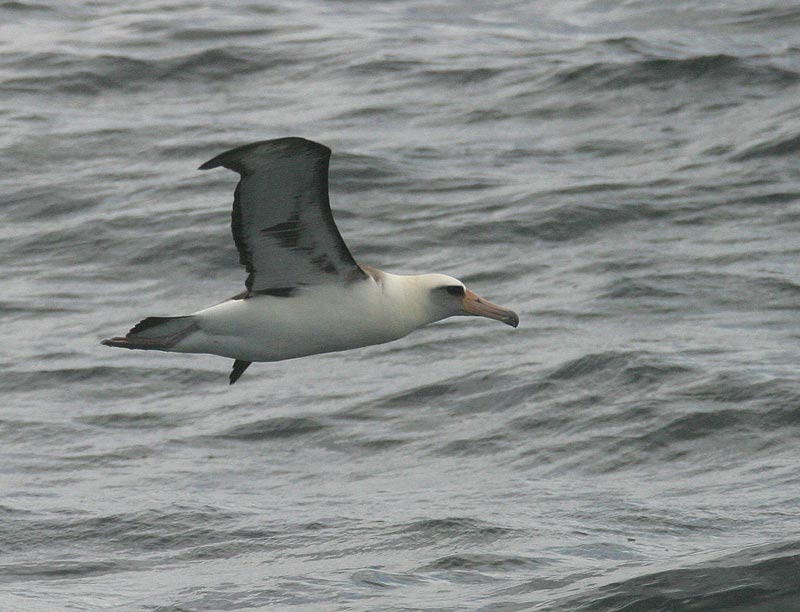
x: 455, y: 290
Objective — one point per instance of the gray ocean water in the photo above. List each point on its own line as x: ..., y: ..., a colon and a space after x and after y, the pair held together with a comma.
x: 623, y: 174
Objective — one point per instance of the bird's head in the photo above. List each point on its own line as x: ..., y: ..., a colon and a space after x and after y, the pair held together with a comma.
x: 450, y: 297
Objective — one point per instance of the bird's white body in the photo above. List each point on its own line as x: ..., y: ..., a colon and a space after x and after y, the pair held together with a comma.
x: 319, y: 319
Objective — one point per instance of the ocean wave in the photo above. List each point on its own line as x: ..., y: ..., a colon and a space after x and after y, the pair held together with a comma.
x: 135, y: 420
x: 102, y: 380
x: 93, y: 75
x: 779, y: 17
x: 157, y: 530
x: 272, y: 429
x: 453, y: 529
x: 703, y: 291
x: 758, y: 579
x: 484, y: 563
x: 24, y: 7
x: 614, y: 411
x: 664, y: 73
x: 781, y: 146
x: 564, y: 223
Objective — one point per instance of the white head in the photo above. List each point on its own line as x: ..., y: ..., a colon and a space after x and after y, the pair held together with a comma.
x: 446, y: 296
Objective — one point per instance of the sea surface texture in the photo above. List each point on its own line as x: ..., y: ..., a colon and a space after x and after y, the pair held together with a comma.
x: 624, y: 175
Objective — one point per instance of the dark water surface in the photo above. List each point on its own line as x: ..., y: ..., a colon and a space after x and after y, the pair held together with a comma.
x: 623, y: 174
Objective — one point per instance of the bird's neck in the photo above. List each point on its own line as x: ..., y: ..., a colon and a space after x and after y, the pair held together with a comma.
x: 407, y: 301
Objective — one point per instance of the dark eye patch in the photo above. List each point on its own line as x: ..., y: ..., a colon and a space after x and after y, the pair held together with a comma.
x: 455, y: 290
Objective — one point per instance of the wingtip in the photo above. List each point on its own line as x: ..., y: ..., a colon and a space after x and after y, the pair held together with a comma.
x: 234, y: 159
x: 211, y: 163
x: 228, y: 159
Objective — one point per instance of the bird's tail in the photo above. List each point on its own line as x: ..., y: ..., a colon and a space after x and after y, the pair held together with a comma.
x: 155, y: 334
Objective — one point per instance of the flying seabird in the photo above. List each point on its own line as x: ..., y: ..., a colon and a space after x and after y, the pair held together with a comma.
x: 304, y: 293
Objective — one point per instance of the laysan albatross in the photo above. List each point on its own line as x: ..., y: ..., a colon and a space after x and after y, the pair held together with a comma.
x: 305, y: 294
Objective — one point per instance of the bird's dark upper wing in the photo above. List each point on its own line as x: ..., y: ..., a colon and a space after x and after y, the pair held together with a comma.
x: 282, y: 222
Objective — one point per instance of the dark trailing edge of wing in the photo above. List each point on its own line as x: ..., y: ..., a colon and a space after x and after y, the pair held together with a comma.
x: 238, y: 237
x: 287, y: 232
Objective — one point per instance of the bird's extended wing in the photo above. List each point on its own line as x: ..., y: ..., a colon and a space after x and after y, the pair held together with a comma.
x: 282, y: 222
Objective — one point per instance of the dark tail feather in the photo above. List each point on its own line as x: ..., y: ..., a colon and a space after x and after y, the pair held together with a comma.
x: 239, y: 367
x: 155, y: 333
